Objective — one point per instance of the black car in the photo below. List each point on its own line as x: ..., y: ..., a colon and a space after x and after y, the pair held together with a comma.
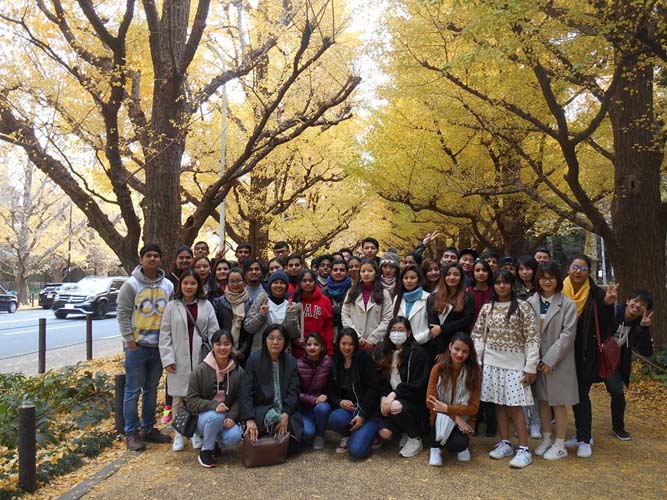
x: 93, y: 294
x: 47, y: 294
x: 8, y: 301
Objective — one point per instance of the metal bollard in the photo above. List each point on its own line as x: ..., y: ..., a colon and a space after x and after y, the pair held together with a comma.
x: 119, y: 392
x: 41, y: 366
x: 89, y: 336
x: 27, y: 445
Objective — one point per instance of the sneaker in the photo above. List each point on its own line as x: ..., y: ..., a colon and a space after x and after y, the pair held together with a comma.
x: 502, y: 450
x: 205, y: 459
x: 377, y: 443
x: 463, y: 456
x: 134, y: 442
x: 166, y: 415
x: 197, y: 441
x: 318, y: 443
x: 413, y: 447
x: 342, y: 446
x: 622, y: 435
x: 522, y: 459
x: 584, y: 450
x: 535, y: 431
x: 573, y: 443
x: 435, y: 458
x: 155, y: 436
x: 179, y: 442
x: 555, y: 453
x: 402, y: 441
x: 541, y: 448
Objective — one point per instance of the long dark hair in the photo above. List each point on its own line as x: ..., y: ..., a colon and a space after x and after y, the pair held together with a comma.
x: 388, y: 346
x: 506, y: 276
x: 214, y: 268
x: 529, y: 262
x: 181, y: 249
x: 445, y: 361
x: 338, y: 358
x: 487, y: 268
x: 425, y: 267
x: 200, y: 289
x: 377, y: 294
x: 298, y: 292
x: 443, y: 297
x: 401, y: 288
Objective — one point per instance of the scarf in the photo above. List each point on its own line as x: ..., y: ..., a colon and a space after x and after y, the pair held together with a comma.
x: 388, y: 284
x: 410, y: 298
x: 275, y: 413
x: 337, y: 289
x: 220, y: 376
x: 237, y: 301
x: 444, y: 424
x: 580, y: 297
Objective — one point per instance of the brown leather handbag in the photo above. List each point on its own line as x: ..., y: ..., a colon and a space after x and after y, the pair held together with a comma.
x: 267, y: 450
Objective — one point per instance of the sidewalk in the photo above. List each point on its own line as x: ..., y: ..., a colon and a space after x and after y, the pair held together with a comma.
x: 633, y: 469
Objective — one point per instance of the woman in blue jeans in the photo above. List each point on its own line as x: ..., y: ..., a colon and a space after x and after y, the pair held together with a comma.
x: 314, y: 372
x: 354, y: 395
x: 214, y: 393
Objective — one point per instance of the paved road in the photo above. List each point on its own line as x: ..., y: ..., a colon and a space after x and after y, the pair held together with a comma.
x: 19, y: 340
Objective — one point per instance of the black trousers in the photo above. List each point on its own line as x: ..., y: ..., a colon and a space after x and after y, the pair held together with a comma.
x: 456, y: 442
x: 407, y: 421
x: 614, y: 385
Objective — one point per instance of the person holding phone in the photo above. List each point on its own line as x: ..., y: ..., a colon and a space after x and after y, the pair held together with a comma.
x: 507, y: 340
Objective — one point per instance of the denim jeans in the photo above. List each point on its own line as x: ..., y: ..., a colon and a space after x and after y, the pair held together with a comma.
x: 360, y: 441
x: 315, y: 420
x: 210, y: 428
x: 143, y: 369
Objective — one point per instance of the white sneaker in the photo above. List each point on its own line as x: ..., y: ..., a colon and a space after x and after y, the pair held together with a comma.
x: 521, y: 459
x: 463, y: 456
x: 413, y: 446
x: 535, y: 431
x: 555, y: 453
x: 502, y: 450
x: 435, y: 459
x: 179, y: 442
x: 573, y: 443
x: 541, y: 448
x: 318, y: 443
x: 403, y: 440
x: 584, y: 450
x: 342, y: 446
x: 197, y: 442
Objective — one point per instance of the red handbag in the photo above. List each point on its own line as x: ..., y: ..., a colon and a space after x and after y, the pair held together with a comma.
x: 609, y: 352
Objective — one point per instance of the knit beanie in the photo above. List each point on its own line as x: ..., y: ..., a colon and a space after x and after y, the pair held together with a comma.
x: 391, y: 259
x: 277, y: 275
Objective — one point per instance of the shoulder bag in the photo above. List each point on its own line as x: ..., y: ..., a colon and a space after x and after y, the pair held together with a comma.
x: 205, y: 344
x: 609, y: 352
x: 185, y: 422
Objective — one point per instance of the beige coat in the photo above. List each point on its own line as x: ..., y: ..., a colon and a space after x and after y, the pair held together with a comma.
x: 175, y: 344
x: 558, y: 332
x: 370, y: 322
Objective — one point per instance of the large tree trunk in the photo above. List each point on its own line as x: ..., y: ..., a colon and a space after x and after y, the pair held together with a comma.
x: 637, y: 213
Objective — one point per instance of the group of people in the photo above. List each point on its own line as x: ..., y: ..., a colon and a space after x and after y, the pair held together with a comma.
x: 376, y: 349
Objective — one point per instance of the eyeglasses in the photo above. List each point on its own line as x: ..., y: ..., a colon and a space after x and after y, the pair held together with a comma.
x: 235, y: 282
x: 275, y: 339
x: 575, y: 267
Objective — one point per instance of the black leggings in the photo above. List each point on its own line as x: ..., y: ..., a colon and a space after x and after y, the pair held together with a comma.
x: 456, y: 442
x: 407, y: 421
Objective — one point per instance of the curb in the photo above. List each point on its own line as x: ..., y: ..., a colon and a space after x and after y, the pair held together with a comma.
x: 84, y: 487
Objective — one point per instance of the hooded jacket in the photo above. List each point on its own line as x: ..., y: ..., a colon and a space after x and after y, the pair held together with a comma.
x: 140, y: 304
x: 202, y: 389
x: 317, y: 317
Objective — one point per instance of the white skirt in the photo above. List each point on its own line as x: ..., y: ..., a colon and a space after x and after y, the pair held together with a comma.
x: 504, y: 387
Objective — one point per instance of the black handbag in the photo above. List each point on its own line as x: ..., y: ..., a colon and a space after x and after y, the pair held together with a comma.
x: 185, y: 422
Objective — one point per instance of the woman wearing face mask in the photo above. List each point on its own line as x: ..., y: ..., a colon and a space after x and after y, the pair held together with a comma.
x: 316, y: 310
x: 452, y: 397
x: 314, y: 372
x: 231, y: 310
x: 338, y: 283
x: 405, y: 368
x: 214, y: 395
x: 411, y: 302
x: 367, y: 307
x: 273, y: 307
x: 219, y: 278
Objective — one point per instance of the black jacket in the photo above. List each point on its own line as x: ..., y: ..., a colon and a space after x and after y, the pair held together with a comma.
x: 639, y: 338
x: 365, y: 386
x: 414, y: 371
x: 223, y: 311
x: 454, y: 322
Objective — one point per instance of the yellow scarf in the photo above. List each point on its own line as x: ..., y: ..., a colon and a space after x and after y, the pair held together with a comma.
x: 580, y: 297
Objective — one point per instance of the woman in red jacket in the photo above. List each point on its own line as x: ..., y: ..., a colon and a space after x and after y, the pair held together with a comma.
x: 317, y: 311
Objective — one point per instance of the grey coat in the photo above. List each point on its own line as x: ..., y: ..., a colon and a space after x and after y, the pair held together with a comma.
x: 558, y: 332
x: 255, y: 322
x: 175, y: 343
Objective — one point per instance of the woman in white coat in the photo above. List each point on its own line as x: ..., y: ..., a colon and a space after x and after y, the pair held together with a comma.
x: 367, y: 307
x: 556, y: 383
x: 410, y: 302
x: 188, y: 322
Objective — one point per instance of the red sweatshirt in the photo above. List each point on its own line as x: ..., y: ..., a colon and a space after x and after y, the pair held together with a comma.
x: 317, y: 317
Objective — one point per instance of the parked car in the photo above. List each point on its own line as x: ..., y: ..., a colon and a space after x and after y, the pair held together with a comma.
x: 8, y: 301
x: 47, y: 294
x: 92, y: 294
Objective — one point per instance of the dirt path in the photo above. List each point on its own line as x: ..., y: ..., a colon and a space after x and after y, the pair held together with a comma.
x: 633, y: 469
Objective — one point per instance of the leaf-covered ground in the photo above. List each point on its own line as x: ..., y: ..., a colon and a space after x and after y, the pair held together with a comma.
x: 633, y: 469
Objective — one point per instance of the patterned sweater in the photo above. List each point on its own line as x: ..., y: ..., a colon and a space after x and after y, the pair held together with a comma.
x: 513, y: 344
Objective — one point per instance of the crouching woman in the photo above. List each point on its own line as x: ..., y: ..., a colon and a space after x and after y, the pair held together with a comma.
x: 214, y: 394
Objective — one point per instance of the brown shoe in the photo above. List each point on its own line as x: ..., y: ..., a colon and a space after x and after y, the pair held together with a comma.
x: 134, y: 442
x: 155, y: 436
